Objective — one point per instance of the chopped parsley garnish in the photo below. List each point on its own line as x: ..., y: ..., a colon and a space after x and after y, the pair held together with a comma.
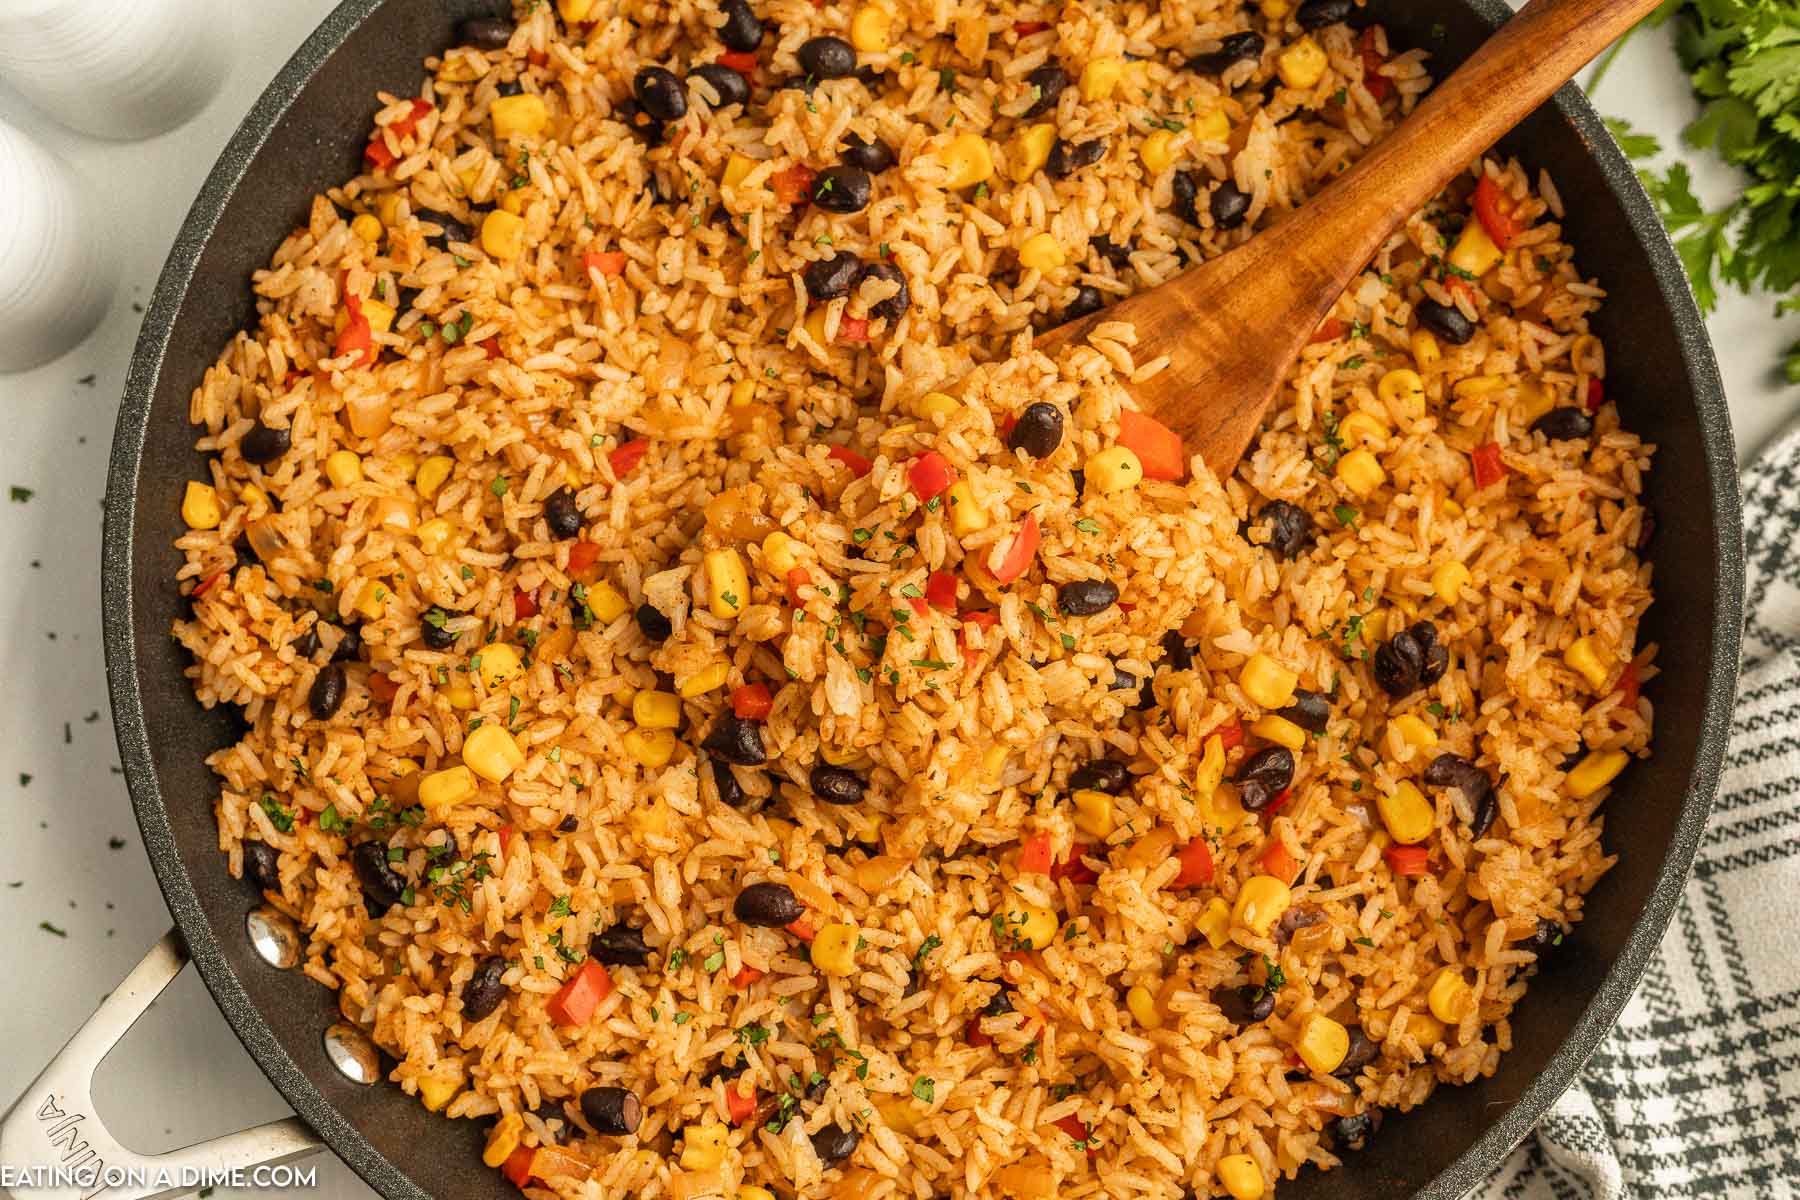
x: 925, y: 1088
x: 281, y: 818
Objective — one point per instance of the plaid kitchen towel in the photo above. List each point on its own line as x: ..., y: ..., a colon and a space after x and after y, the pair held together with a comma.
x: 1697, y: 1091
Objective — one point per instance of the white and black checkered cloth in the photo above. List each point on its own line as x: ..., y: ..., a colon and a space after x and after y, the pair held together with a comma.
x: 1696, y: 1093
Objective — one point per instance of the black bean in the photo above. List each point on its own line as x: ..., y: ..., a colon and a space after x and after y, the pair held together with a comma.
x: 262, y: 864
x: 1244, y: 1005
x: 869, y: 77
x: 1264, y: 776
x: 1088, y: 301
x: 1296, y: 918
x: 1085, y: 597
x: 562, y: 514
x: 1445, y: 320
x: 659, y: 93
x: 653, y: 624
x: 833, y: 1144
x: 1229, y: 205
x: 380, y: 882
x: 1453, y: 770
x: 724, y: 1070
x: 873, y: 156
x: 511, y: 87
x: 409, y: 299
x: 1317, y: 14
x: 307, y: 644
x: 1411, y: 659
x: 1100, y: 775
x: 1351, y: 1134
x: 264, y: 444
x: 1310, y: 710
x: 1178, y: 652
x: 742, y: 29
x: 730, y: 86
x: 568, y: 824
x: 836, y: 785
x: 1290, y: 529
x: 1564, y: 424
x: 1234, y: 49
x: 815, y: 1091
x: 826, y: 57
x: 482, y: 994
x: 1363, y: 1051
x: 619, y: 946
x: 612, y: 1110
x: 1122, y: 680
x: 737, y: 740
x: 350, y: 646
x: 999, y: 1005
x: 485, y: 33
x: 1047, y: 84
x: 432, y: 631
x: 1186, y: 190
x: 1038, y: 431
x: 731, y: 792
x: 1547, y: 937
x: 326, y: 696
x: 453, y: 229
x: 1066, y: 159
x: 767, y: 904
x: 1079, y: 478
x: 1118, y: 256
x: 843, y: 189
x: 895, y: 306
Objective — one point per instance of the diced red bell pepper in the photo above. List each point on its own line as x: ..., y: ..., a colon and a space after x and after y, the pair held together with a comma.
x: 1279, y: 802
x: 1494, y: 209
x: 525, y: 605
x: 739, y: 1106
x: 507, y: 834
x: 1629, y: 685
x: 752, y: 702
x: 1196, y: 865
x: 625, y: 459
x: 582, y: 557
x: 1230, y: 735
x: 918, y: 605
x: 972, y: 1033
x: 940, y: 591
x: 407, y: 125
x: 356, y: 334
x: 383, y: 689
x: 1596, y: 394
x: 741, y: 61
x: 1020, y: 551
x: 206, y: 585
x: 981, y: 620
x: 607, y: 262
x: 802, y: 929
x: 1027, y: 28
x: 1410, y: 861
x: 745, y: 977
x: 377, y: 154
x: 1489, y: 470
x: 518, y: 1165
x: 930, y: 475
x: 1077, y: 1129
x: 859, y: 466
x: 1006, y: 428
x: 793, y: 184
x: 852, y: 329
x: 1035, y: 855
x: 1458, y: 286
x: 491, y: 345
x: 1073, y: 868
x: 1328, y: 331
x: 796, y: 578
x: 1379, y: 85
x: 1157, y: 446
x: 578, y: 998
x: 1278, y: 862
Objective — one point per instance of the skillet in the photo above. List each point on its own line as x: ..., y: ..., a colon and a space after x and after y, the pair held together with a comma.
x: 306, y: 133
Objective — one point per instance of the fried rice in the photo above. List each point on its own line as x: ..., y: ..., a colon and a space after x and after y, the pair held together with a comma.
x: 579, y: 560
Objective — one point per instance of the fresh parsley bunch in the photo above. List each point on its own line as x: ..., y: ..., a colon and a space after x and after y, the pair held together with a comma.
x: 1743, y: 57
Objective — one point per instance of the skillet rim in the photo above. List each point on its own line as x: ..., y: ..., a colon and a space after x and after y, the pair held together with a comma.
x: 1469, y: 1168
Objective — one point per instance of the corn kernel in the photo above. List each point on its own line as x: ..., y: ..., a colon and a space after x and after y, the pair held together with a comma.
x: 1414, y: 731
x: 967, y: 160
x: 1215, y: 126
x: 737, y: 168
x: 433, y: 473
x: 1141, y: 1002
x: 1361, y: 473
x: 1449, y: 580
x: 1302, y: 64
x: 1031, y: 150
x: 993, y: 761
x: 1214, y: 923
x: 1408, y: 815
x: 703, y: 1146
x: 492, y: 753
x: 437, y: 1092
x: 1534, y: 399
x: 1450, y: 997
x: 743, y: 393
x: 1595, y: 772
x: 200, y: 506
x: 1425, y: 350
x: 1029, y: 927
x: 748, y: 1192
x: 443, y: 790
x: 1042, y: 252
x: 460, y: 697
x: 936, y: 404
x: 372, y: 600
x: 834, y: 949
x: 897, y: 1113
x: 650, y: 747
x: 705, y: 680
x: 1451, y: 508
x: 1094, y: 813
x: 778, y: 553
x: 1260, y: 902
x: 434, y: 535
x: 1322, y: 1043
x: 517, y: 200
x: 1276, y: 10
x: 966, y: 516
x: 387, y: 208
x: 1402, y: 388
x: 254, y: 499
x: 1156, y: 151
x: 1211, y: 771
x: 575, y: 10
x: 1426, y: 1029
x: 1100, y: 78
x: 1279, y: 730
x: 367, y: 226
x: 1475, y: 251
x: 1114, y: 469
x: 523, y: 115
x: 380, y: 316
x: 729, y: 583
x: 655, y: 710
x: 1241, y: 1177
x: 1267, y: 682
x: 343, y: 468
x: 1363, y: 429
x: 503, y: 1139
x: 606, y: 602
x: 871, y: 28
x: 503, y: 234
x: 1592, y: 663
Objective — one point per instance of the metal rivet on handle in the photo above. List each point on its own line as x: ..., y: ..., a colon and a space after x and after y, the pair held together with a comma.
x: 352, y: 1053
x: 273, y: 936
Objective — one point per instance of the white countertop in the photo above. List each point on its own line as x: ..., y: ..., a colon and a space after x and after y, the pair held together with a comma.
x: 69, y: 849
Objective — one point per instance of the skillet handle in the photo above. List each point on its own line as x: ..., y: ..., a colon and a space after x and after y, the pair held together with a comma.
x: 54, y: 1126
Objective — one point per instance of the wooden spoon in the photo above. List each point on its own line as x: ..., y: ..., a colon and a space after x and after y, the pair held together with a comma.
x: 1233, y: 325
